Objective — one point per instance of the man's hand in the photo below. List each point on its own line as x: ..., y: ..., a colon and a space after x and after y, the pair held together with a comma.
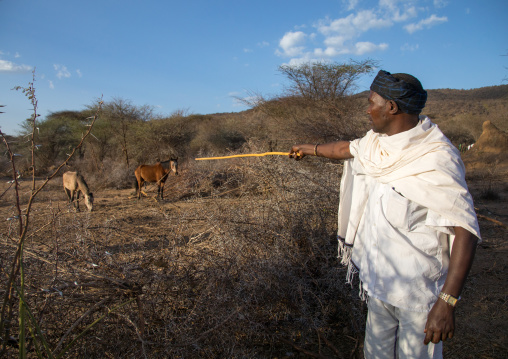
x: 440, y: 323
x: 298, y: 151
x: 441, y: 320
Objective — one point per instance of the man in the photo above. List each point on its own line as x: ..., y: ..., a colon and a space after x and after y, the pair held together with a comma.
x: 406, y: 221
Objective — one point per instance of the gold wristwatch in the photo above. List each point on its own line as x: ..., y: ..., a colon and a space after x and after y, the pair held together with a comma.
x: 450, y: 299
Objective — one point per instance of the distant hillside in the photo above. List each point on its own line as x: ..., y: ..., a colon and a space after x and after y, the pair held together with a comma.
x: 483, y: 93
x: 461, y: 113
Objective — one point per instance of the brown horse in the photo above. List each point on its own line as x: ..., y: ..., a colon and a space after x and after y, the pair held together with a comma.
x: 157, y: 173
x: 74, y: 183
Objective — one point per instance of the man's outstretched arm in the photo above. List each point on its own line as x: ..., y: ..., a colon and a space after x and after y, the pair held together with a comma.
x: 334, y: 150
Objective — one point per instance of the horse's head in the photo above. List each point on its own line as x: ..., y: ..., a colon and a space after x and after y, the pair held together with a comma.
x: 89, y: 201
x: 174, y: 165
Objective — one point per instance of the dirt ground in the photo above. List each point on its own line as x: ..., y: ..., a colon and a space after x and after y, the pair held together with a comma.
x: 482, y: 314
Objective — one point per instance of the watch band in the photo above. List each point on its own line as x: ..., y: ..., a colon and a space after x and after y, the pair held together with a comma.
x: 450, y: 299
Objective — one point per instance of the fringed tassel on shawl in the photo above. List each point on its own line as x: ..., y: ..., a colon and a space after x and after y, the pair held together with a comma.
x: 347, y: 227
x: 345, y: 253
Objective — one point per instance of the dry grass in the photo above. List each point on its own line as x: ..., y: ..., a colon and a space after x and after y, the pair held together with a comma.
x: 239, y: 261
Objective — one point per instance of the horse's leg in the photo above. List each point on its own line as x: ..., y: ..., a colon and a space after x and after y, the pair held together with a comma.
x: 77, y: 199
x: 140, y: 185
x: 162, y: 190
x: 68, y: 193
x: 158, y: 191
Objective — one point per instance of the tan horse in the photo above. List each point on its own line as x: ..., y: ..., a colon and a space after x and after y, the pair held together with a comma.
x: 157, y: 173
x: 74, y: 183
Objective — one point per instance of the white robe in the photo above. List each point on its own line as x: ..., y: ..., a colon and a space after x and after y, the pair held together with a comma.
x: 421, y: 163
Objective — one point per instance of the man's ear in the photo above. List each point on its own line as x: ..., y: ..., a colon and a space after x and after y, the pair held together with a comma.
x: 393, y: 107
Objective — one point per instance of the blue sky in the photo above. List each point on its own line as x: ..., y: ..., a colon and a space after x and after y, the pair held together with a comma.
x: 200, y: 55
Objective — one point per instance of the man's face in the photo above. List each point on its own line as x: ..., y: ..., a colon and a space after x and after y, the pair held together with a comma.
x: 378, y: 112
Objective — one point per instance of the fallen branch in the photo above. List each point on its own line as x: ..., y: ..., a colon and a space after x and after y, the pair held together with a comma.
x: 492, y: 220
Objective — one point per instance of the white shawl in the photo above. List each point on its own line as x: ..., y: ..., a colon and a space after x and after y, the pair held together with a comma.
x: 421, y: 163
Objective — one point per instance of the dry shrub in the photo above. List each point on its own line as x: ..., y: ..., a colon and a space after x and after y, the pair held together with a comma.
x: 114, y: 174
x: 251, y: 274
x: 216, y: 134
x: 300, y: 118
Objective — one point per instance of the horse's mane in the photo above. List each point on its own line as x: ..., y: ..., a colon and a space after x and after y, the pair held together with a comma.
x: 170, y: 160
x: 82, y: 184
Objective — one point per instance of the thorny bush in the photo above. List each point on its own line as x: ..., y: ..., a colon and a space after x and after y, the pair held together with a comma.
x: 252, y: 274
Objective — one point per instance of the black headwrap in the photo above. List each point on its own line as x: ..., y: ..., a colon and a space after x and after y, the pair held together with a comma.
x: 408, y: 97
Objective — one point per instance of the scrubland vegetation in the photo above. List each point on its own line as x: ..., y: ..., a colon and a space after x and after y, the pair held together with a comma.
x: 238, y: 261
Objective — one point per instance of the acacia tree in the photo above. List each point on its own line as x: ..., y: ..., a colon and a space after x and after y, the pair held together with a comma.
x: 322, y: 81
x: 169, y: 136
x: 123, y: 119
x: 319, y: 102
x: 56, y: 135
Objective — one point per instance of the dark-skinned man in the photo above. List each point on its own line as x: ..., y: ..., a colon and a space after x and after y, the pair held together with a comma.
x: 407, y: 223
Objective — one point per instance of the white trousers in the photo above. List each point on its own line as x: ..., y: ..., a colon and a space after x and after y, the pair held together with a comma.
x: 394, y: 333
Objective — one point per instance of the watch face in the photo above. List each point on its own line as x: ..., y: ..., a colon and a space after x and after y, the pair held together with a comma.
x: 448, y: 299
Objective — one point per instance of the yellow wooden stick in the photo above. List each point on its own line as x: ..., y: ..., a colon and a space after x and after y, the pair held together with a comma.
x: 245, y: 155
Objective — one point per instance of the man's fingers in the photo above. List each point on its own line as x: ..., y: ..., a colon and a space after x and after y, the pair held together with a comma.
x: 296, y: 155
x: 428, y: 336
x: 436, y: 338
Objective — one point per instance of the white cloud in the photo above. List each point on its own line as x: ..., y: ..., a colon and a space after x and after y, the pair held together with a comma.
x: 78, y: 71
x: 263, y: 44
x: 292, y: 43
x: 350, y: 34
x: 299, y: 27
x: 353, y: 25
x: 425, y: 23
x: 440, y: 3
x: 367, y: 20
x: 335, y: 41
x: 8, y: 66
x: 51, y: 85
x: 61, y: 71
x: 350, y: 4
x: 362, y: 48
x: 408, y: 47
x: 340, y: 33
x: 406, y: 14
x: 247, y: 50
x: 399, y: 10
